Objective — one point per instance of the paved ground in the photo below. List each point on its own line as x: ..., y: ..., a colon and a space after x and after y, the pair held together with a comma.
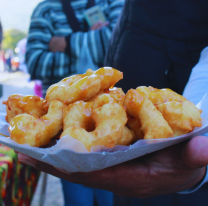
x: 17, y: 83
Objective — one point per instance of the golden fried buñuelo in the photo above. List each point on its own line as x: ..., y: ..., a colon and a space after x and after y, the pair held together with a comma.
x: 182, y: 117
x: 159, y: 96
x: 84, y: 88
x: 34, y: 131
x: 127, y: 138
x: 153, y: 125
x: 135, y: 125
x: 116, y: 93
x: 181, y: 114
x: 109, y: 76
x: 68, y: 81
x: 110, y: 120
x: 19, y: 104
x: 78, y: 114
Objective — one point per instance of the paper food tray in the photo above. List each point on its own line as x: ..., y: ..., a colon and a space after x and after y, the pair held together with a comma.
x: 71, y: 155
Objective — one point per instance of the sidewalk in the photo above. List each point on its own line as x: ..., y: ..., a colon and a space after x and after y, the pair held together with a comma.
x: 17, y: 83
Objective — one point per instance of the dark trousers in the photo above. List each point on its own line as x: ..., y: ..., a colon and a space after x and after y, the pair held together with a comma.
x: 198, y: 198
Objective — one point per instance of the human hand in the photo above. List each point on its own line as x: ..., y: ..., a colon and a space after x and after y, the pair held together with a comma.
x: 57, y: 44
x: 166, y: 171
x: 99, y: 25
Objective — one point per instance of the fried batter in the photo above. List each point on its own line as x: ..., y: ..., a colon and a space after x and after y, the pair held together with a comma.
x: 34, y: 131
x: 135, y: 125
x: 127, y: 138
x: 84, y: 88
x: 153, y: 125
x: 110, y: 120
x: 159, y: 96
x: 19, y: 104
x: 182, y: 117
x: 78, y: 114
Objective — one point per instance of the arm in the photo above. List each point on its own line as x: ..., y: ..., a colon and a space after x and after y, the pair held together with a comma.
x: 41, y: 62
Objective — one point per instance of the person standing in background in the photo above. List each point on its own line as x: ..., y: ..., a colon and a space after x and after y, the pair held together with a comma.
x: 55, y: 40
x: 53, y: 48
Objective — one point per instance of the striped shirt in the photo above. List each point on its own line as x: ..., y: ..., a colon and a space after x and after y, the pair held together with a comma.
x: 48, y: 20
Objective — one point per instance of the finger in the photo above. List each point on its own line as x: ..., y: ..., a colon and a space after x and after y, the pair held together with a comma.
x: 106, y: 23
x: 96, y: 26
x: 195, y: 152
x: 44, y: 167
x: 97, y: 179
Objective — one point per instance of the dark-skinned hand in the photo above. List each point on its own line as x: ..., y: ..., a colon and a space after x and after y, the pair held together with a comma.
x: 57, y: 44
x: 166, y: 171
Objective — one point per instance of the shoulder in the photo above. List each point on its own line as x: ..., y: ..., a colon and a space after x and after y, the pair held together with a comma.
x: 46, y: 6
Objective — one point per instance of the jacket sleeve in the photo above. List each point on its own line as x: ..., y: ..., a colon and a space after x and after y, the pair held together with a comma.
x: 197, y: 85
x: 41, y: 63
x: 97, y: 40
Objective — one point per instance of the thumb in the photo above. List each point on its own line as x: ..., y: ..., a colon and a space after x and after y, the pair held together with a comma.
x: 195, y: 152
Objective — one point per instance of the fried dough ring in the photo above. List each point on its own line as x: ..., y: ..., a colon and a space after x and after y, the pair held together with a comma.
x: 101, y: 121
x: 182, y: 117
x: 116, y: 93
x: 159, y: 96
x: 135, y: 125
x: 19, y: 104
x: 84, y: 88
x: 34, y: 131
x: 153, y: 125
x: 110, y: 120
x: 181, y: 114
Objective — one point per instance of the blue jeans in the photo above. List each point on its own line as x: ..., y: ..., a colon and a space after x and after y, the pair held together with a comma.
x: 79, y: 195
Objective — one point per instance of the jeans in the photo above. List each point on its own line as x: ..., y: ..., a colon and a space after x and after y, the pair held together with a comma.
x: 79, y: 195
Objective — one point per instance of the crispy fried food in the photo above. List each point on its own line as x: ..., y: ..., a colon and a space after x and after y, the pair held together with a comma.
x: 127, y: 138
x: 84, y: 88
x: 19, y: 104
x: 109, y: 77
x: 34, y: 131
x: 135, y: 125
x: 68, y: 81
x: 154, y: 126
x: 110, y: 120
x: 181, y: 114
x: 182, y: 117
x: 78, y: 114
x: 116, y: 93
x: 159, y: 96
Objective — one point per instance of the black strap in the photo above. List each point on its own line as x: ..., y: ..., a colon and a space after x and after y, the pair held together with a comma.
x: 90, y: 4
x: 72, y: 19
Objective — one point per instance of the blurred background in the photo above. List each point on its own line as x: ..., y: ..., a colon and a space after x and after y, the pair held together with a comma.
x: 14, y: 78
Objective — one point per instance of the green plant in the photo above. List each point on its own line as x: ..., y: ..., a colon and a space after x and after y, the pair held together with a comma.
x: 11, y: 38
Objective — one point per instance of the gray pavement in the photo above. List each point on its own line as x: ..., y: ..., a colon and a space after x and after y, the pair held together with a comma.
x: 17, y: 83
